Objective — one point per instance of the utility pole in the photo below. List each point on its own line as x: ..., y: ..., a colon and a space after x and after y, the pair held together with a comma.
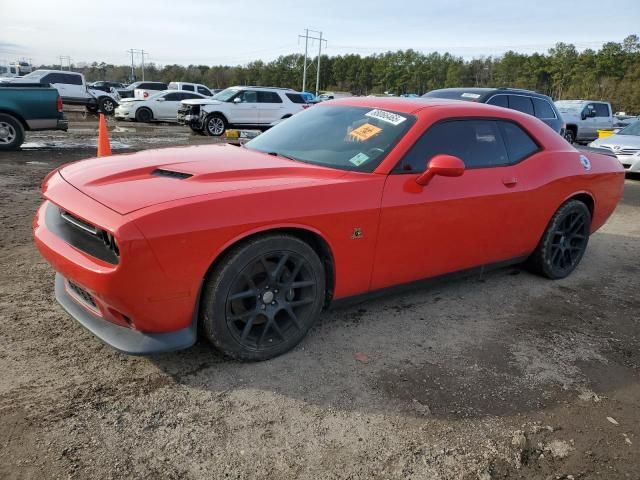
x: 306, y: 37
x: 306, y: 50
x: 142, y: 53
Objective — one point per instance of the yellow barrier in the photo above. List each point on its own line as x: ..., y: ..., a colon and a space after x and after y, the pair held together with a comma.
x: 605, y: 133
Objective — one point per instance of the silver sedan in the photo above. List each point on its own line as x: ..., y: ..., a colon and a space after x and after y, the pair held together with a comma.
x: 625, y: 145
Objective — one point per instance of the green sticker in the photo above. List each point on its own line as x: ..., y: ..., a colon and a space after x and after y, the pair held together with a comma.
x: 359, y: 159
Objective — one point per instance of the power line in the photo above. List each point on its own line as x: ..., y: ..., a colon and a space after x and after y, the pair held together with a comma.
x: 140, y: 52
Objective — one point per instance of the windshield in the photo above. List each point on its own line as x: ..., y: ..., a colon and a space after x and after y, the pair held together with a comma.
x: 225, y: 95
x: 343, y: 137
x: 633, y: 129
x: 569, y: 107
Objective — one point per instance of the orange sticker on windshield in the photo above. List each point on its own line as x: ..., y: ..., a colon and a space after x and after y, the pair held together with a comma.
x: 365, y: 132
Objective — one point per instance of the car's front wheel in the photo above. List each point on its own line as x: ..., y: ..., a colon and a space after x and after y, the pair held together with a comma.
x: 107, y: 105
x: 263, y: 297
x: 215, y: 125
x: 144, y: 115
x: 564, y: 241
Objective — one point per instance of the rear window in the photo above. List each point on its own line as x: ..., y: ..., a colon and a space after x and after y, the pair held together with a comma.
x: 543, y: 108
x: 295, y: 97
x: 468, y: 95
x: 152, y: 86
x: 499, y: 101
x: 188, y: 88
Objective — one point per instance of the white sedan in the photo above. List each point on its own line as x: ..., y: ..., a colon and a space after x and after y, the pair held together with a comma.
x: 163, y: 106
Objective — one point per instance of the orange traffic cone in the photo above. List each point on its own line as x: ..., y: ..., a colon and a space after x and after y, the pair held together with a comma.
x: 104, y: 149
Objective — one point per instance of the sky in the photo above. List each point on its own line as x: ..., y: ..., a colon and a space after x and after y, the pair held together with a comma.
x: 231, y: 33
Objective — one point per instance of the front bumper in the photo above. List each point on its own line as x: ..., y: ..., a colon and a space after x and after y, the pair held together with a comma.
x: 120, y: 338
x: 631, y: 163
x: 122, y: 113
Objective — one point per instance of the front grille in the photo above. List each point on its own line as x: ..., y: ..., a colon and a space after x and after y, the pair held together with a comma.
x: 82, y: 294
x: 82, y: 235
x: 161, y: 172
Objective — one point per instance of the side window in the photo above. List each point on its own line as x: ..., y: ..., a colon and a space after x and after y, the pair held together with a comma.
x: 269, y: 97
x: 518, y: 142
x: 499, y: 101
x: 296, y: 97
x: 249, y: 96
x: 73, y: 79
x: 204, y: 91
x: 543, y: 109
x: 521, y: 104
x: 173, y: 97
x: 476, y: 142
x: 602, y: 109
x: 188, y: 88
x: 190, y: 96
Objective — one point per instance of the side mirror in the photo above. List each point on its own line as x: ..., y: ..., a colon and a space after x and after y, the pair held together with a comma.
x: 237, y: 100
x: 443, y: 165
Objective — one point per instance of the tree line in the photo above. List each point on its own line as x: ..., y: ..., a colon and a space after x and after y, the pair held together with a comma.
x: 611, y: 73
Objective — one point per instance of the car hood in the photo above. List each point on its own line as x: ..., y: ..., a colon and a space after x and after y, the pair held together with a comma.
x: 614, y: 141
x: 128, y: 182
x: 201, y: 101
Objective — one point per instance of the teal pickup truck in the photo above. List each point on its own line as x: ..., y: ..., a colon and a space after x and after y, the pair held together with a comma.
x: 28, y: 107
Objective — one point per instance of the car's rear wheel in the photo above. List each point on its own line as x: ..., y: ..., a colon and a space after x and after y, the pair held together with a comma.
x: 107, y: 105
x: 564, y: 241
x: 11, y: 132
x: 263, y: 297
x: 144, y: 115
x: 215, y: 125
x: 570, y: 135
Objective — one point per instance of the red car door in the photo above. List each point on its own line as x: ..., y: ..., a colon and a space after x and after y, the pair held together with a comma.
x: 452, y: 223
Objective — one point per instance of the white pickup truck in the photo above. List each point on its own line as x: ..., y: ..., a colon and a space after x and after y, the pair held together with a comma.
x: 73, y: 89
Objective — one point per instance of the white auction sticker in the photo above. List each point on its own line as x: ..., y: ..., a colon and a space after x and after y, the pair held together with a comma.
x: 389, y: 117
x: 470, y: 95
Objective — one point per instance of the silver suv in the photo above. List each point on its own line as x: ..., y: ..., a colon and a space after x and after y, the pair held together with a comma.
x: 247, y: 107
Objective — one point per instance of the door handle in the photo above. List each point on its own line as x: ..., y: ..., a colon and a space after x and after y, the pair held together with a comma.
x: 510, y: 181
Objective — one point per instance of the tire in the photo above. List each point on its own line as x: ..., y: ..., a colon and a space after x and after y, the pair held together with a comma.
x: 197, y: 131
x: 11, y: 133
x: 144, y: 115
x: 107, y: 105
x: 564, y: 241
x: 215, y: 125
x: 263, y: 297
x: 570, y: 136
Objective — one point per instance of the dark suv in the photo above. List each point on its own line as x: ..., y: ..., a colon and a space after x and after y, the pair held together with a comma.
x: 526, y: 101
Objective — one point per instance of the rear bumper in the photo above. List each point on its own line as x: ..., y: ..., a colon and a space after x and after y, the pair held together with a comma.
x: 120, y: 338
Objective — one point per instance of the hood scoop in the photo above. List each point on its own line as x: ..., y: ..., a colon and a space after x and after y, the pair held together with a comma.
x: 161, y: 172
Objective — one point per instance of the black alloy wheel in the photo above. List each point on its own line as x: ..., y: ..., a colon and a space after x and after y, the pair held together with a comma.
x: 264, y: 298
x: 564, y: 242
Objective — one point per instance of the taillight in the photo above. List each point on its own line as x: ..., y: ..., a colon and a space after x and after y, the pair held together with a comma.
x: 59, y: 104
x: 306, y: 105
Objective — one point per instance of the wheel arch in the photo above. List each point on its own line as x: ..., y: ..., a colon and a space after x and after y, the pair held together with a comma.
x: 307, y: 234
x: 16, y: 116
x: 584, y: 197
x: 288, y: 115
x: 217, y: 112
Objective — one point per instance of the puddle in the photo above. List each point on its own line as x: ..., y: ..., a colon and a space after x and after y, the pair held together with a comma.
x: 115, y: 144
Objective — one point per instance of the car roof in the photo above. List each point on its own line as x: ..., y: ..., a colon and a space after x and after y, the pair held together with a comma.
x: 486, y: 91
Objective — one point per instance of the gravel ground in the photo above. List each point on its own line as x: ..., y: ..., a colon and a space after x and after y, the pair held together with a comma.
x: 504, y: 376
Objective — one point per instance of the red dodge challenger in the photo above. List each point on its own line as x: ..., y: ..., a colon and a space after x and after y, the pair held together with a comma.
x: 246, y: 245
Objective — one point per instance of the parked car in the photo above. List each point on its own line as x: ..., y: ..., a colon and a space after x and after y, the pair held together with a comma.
x: 525, y: 101
x: 28, y: 108
x: 625, y: 145
x: 191, y: 87
x: 163, y: 106
x: 245, y: 246
x: 149, y: 87
x: 584, y: 118
x: 106, y: 86
x: 244, y: 107
x: 73, y: 89
x: 323, y: 97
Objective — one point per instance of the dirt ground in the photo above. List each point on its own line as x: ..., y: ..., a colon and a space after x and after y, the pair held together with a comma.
x: 507, y: 375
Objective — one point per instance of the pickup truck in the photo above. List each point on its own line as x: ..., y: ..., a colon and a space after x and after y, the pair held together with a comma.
x: 73, y: 89
x: 30, y: 107
x: 584, y: 118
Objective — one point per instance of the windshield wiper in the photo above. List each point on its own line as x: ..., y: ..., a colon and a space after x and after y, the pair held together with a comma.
x: 276, y: 154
